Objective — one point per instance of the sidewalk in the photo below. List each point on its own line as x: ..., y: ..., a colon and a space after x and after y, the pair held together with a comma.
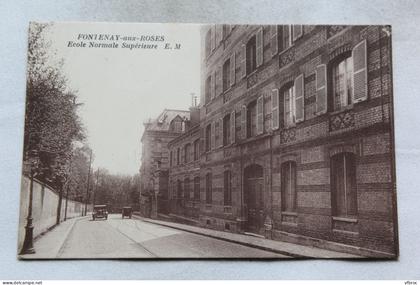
x: 290, y: 249
x: 48, y: 245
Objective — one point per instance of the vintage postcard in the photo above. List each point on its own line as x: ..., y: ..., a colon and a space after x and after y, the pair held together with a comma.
x: 208, y: 141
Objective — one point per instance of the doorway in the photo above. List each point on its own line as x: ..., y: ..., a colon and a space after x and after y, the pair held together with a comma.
x: 254, y: 198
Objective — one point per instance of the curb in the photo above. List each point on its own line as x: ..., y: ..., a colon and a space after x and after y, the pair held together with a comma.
x: 67, y: 234
x: 257, y: 246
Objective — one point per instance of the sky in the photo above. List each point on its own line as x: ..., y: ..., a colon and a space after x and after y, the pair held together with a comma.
x: 121, y: 88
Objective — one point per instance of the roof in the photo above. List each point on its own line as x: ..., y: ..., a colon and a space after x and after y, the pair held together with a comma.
x: 161, y: 123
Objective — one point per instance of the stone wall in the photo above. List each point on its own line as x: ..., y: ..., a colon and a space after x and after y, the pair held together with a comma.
x: 44, y: 208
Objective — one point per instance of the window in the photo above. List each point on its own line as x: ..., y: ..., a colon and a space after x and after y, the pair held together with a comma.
x: 196, y: 149
x: 226, y: 30
x: 227, y: 188
x: 208, y: 42
x: 290, y: 33
x: 251, y: 55
x: 251, y: 119
x: 208, y: 138
x: 287, y: 36
x: 208, y: 188
x: 208, y: 89
x: 342, y: 83
x: 226, y: 75
x: 288, y: 186
x: 187, y: 153
x: 176, y: 125
x: 343, y: 183
x: 187, y: 188
x: 170, y: 158
x: 226, y: 130
x: 289, y: 106
x: 179, y: 193
x: 177, y: 156
x: 197, y: 188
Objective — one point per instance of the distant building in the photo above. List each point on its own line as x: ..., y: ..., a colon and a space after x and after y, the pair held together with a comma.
x: 155, y: 158
x: 296, y: 137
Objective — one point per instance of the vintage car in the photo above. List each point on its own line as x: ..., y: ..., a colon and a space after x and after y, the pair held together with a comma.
x: 99, y: 211
x: 126, y: 212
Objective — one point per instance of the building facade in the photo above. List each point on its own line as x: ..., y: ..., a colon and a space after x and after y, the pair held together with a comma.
x: 296, y: 137
x: 155, y: 159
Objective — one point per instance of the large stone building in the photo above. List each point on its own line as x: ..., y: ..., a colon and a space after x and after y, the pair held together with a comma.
x: 296, y: 137
x: 155, y: 159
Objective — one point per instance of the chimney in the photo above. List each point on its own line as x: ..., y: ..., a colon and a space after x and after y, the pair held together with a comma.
x: 194, y: 115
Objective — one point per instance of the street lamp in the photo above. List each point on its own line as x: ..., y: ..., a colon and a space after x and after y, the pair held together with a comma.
x: 28, y: 246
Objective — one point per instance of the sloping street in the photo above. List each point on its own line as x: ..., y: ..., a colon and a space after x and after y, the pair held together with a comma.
x: 132, y: 238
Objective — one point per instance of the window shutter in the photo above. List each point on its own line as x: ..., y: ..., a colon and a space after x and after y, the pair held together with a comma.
x: 232, y: 69
x: 243, y: 62
x: 213, y: 135
x: 260, y: 47
x: 219, y: 33
x: 232, y: 127
x: 260, y: 115
x: 299, y: 99
x: 297, y: 31
x: 220, y: 81
x: 214, y: 84
x: 275, y: 116
x: 213, y: 38
x: 221, y: 132
x: 286, y: 36
x: 359, y: 72
x: 274, y: 41
x: 211, y: 86
x: 321, y: 89
x: 243, y: 121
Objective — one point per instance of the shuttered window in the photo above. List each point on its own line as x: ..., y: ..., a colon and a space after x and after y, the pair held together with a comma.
x: 299, y: 98
x: 227, y: 197
x: 197, y: 188
x: 360, y: 72
x: 243, y: 61
x: 260, y: 47
x: 321, y: 89
x: 343, y: 183
x: 208, y: 137
x: 208, y: 43
x: 275, y: 115
x: 251, y: 55
x: 208, y: 188
x: 342, y: 77
x: 287, y: 36
x: 274, y: 40
x: 232, y: 69
x: 297, y: 31
x: 260, y: 115
x: 226, y: 130
x: 208, y: 93
x: 243, y: 122
x: 251, y: 119
x: 196, y: 149
x: 187, y: 152
x: 226, y: 75
x: 232, y: 127
x: 213, y: 37
x: 289, y: 106
x: 187, y: 189
x: 213, y: 136
x: 219, y: 78
x: 178, y: 156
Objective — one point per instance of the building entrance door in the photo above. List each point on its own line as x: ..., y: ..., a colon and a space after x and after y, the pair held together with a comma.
x: 254, y: 198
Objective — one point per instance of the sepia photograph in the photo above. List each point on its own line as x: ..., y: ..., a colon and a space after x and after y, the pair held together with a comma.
x: 202, y: 141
